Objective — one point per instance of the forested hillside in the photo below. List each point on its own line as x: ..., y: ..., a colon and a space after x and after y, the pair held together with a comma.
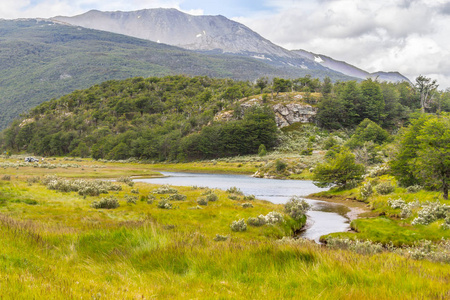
x: 153, y: 118
x: 172, y: 118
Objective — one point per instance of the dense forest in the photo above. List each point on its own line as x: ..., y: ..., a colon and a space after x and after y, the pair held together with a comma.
x: 172, y: 118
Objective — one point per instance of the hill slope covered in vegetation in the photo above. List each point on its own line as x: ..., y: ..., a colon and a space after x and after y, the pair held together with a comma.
x: 42, y: 60
x: 153, y: 118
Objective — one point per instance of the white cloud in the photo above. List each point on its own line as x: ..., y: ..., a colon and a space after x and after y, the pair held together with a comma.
x: 409, y: 36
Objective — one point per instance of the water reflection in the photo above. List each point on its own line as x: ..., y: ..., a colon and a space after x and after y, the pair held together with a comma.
x: 323, y: 218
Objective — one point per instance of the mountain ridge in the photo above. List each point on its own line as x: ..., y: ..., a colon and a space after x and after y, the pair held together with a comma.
x: 213, y: 34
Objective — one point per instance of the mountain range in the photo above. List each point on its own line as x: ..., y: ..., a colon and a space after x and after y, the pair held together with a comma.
x: 212, y: 34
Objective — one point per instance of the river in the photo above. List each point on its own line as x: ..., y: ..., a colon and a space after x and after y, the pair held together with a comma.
x: 323, y: 218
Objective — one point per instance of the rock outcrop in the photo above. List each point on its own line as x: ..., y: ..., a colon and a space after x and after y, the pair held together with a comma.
x: 285, y: 113
x: 288, y: 114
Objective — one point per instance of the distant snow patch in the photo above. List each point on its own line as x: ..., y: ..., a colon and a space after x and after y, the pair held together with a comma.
x: 139, y: 17
x: 318, y: 59
x: 199, y: 35
x: 158, y: 41
x: 303, y: 67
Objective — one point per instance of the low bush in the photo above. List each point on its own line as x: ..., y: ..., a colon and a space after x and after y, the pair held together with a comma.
x: 126, y: 180
x: 249, y: 197
x: 247, y: 205
x: 177, y: 197
x: 274, y: 217
x: 296, y: 208
x: 131, y: 199
x: 414, y: 188
x: 234, y: 190
x: 221, y: 238
x: 6, y: 177
x: 164, y: 204
x: 238, y: 226
x: 431, y: 212
x: 258, y: 221
x: 212, y: 197
x: 107, y: 203
x: 165, y: 189
x: 384, y: 188
x: 366, y: 191
x: 202, y: 201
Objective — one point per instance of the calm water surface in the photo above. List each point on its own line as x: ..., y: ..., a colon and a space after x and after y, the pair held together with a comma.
x: 323, y: 218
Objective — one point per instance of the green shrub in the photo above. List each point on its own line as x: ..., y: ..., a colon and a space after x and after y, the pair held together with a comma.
x: 221, y: 238
x: 126, y: 180
x: 164, y: 204
x: 385, y: 188
x: 257, y: 222
x: 234, y: 190
x: 262, y: 150
x: 131, y: 199
x: 247, y: 205
x: 238, y: 226
x: 212, y: 197
x: 366, y: 191
x: 6, y: 177
x: 249, y: 197
x: 107, y: 203
x: 165, y: 189
x: 177, y: 197
x: 414, y: 188
x: 296, y: 208
x: 280, y: 165
x: 202, y: 201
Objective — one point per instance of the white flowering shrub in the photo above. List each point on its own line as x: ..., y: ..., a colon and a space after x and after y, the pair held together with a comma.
x: 366, y: 191
x: 238, y: 225
x: 82, y: 186
x: 164, y: 204
x: 107, y: 203
x: 379, y: 171
x: 258, y: 221
x: 431, y: 212
x: 361, y: 247
x: 405, y: 207
x: 165, y: 189
x: 446, y: 224
x: 274, y: 217
x: 296, y: 208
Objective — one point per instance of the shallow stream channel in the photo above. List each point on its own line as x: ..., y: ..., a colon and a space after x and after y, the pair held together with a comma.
x: 323, y: 218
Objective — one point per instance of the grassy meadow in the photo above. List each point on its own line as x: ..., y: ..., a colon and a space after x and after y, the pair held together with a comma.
x: 55, y: 245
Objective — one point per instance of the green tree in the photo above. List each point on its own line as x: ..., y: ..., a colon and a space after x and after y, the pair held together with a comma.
x: 425, y: 87
x: 367, y: 131
x: 372, y: 102
x: 434, y: 153
x: 338, y: 170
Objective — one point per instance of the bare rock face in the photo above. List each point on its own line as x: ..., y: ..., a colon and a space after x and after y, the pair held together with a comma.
x: 285, y: 114
x: 288, y: 114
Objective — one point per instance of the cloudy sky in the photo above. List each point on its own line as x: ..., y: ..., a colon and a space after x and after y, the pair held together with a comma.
x: 409, y: 36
